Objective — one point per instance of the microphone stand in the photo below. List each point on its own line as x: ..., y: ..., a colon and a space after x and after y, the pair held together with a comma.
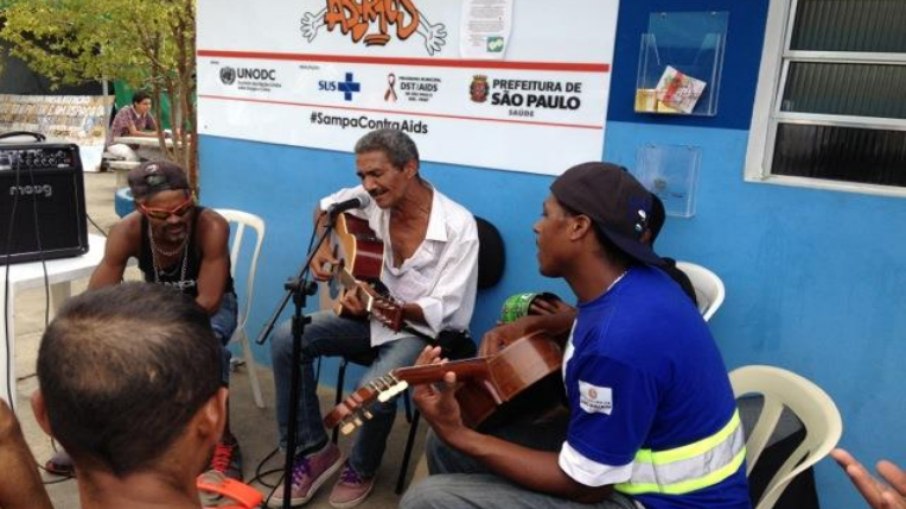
x: 297, y: 289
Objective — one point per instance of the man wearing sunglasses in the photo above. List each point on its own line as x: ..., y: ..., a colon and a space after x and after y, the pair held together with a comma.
x: 183, y: 246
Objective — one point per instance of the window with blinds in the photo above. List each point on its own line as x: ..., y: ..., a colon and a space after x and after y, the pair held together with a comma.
x: 838, y: 105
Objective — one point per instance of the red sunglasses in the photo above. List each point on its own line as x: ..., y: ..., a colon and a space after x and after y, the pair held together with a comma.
x: 163, y: 214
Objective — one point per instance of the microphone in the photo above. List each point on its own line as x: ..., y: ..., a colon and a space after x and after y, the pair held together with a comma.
x: 359, y: 202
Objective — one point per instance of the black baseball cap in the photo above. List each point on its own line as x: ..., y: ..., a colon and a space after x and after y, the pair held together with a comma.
x: 617, y: 204
x: 152, y: 177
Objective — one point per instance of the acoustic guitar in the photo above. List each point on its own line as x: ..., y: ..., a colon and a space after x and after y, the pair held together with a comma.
x: 487, y: 385
x: 361, y: 263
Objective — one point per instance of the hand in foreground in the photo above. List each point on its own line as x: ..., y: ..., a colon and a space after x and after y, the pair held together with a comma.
x: 435, y: 401
x: 541, y: 306
x: 878, y: 494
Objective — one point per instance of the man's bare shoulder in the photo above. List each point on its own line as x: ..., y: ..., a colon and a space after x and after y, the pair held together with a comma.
x: 212, y: 227
x: 128, y: 231
x: 211, y: 220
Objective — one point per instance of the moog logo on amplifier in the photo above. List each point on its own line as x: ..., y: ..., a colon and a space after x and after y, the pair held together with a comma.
x: 45, y: 190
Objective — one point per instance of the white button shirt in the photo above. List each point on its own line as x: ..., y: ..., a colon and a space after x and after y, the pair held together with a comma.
x: 441, y: 276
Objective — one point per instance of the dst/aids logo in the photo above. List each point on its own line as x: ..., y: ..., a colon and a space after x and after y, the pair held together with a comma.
x: 227, y: 75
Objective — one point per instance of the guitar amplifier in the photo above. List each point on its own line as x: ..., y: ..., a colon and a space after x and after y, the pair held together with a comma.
x: 42, y: 202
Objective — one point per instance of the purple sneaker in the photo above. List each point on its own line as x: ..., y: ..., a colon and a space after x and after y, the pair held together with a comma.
x: 309, y: 473
x: 351, y: 488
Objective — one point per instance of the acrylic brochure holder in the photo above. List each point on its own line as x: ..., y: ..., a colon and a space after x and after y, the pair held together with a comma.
x: 680, y: 63
x: 670, y: 172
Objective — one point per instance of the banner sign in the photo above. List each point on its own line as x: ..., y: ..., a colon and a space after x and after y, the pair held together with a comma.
x: 321, y: 73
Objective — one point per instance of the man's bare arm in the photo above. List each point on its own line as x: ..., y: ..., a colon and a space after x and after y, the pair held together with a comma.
x: 214, y: 235
x: 21, y: 486
x: 122, y: 242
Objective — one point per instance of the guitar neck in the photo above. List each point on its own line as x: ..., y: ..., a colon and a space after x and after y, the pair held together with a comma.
x: 467, y: 369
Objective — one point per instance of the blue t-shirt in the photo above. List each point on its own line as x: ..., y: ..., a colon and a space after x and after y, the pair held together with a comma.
x: 643, y: 372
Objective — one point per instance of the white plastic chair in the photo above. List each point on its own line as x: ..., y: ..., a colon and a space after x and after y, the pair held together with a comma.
x: 241, y: 220
x: 709, y: 289
x: 812, y: 406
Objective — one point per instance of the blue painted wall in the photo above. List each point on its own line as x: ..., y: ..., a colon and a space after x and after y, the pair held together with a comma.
x: 814, y: 279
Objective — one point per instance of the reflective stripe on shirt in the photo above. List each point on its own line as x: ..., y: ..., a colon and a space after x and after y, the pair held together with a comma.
x: 691, y: 467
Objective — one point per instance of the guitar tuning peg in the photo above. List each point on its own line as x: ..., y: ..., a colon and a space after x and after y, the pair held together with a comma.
x: 347, y: 428
x: 385, y: 395
x: 357, y: 421
x: 400, y: 387
x: 363, y: 413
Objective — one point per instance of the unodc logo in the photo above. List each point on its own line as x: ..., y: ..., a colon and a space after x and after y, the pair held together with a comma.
x: 227, y: 75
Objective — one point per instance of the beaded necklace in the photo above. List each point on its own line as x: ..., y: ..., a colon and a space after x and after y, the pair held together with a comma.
x: 158, y: 272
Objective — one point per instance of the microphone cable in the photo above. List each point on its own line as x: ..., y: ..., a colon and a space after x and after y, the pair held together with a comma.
x: 6, y: 303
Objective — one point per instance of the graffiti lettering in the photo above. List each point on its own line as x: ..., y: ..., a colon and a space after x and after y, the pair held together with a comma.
x: 356, y: 16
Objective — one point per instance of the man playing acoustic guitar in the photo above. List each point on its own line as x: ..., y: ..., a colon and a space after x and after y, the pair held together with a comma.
x: 430, y: 255
x: 651, y: 419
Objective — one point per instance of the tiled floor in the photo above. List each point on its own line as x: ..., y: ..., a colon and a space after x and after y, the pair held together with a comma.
x: 255, y: 428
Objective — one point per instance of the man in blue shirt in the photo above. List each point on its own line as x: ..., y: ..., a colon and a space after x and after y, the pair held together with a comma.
x: 651, y: 418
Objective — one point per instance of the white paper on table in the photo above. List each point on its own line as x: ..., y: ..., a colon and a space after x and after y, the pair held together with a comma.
x: 485, y: 28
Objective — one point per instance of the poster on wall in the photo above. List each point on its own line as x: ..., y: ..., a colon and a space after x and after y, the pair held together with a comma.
x: 321, y: 73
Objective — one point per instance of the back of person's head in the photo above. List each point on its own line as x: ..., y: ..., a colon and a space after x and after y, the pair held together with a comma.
x: 395, y: 144
x: 123, y: 370
x: 656, y: 218
x: 139, y: 96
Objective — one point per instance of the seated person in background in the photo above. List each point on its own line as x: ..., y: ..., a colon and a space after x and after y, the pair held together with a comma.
x: 180, y: 245
x: 130, y: 383
x: 20, y: 486
x: 430, y: 265
x: 641, y: 431
x: 132, y: 120
x: 879, y: 495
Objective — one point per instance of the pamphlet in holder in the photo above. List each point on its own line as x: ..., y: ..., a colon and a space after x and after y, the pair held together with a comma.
x: 680, y: 63
x: 670, y: 172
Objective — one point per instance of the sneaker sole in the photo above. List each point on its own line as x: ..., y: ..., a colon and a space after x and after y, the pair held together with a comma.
x: 352, y: 503
x: 54, y: 469
x: 315, y: 486
x: 66, y: 469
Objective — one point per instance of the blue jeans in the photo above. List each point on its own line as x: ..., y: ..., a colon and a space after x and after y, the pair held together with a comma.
x: 223, y: 322
x: 459, y: 481
x: 330, y: 335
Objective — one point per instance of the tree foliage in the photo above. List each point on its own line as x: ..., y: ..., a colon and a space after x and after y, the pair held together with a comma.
x: 149, y: 44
